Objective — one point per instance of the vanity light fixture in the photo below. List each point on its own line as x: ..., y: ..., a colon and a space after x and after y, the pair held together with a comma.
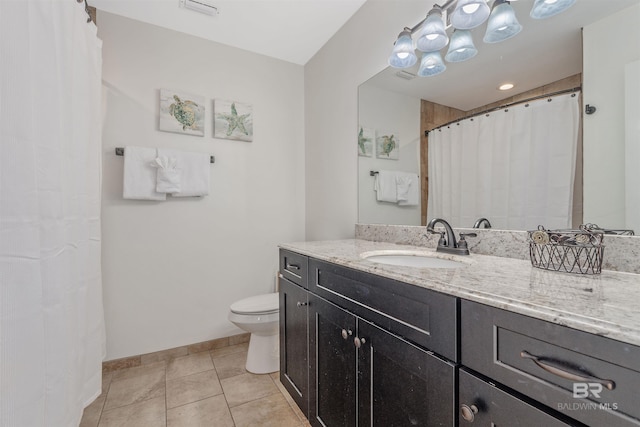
x: 547, y: 8
x: 461, y: 46
x: 432, y: 36
x: 462, y: 15
x: 469, y: 14
x: 502, y: 24
x: 431, y: 64
x: 403, y: 54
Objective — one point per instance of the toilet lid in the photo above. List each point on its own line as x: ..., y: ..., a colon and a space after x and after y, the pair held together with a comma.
x: 259, y: 304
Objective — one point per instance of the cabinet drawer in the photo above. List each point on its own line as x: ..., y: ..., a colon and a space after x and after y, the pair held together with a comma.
x: 419, y: 315
x: 294, y: 267
x: 587, y: 377
x: 496, y: 407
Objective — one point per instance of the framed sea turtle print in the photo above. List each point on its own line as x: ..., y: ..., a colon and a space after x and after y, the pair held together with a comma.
x: 387, y: 145
x: 181, y: 112
x: 232, y: 120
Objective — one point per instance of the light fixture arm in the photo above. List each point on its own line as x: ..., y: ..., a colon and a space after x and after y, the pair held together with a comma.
x: 444, y: 7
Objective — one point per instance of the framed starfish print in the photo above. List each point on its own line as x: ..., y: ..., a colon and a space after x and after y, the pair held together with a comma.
x: 232, y: 120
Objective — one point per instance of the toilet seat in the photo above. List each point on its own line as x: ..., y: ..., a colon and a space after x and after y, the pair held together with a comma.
x: 257, y: 305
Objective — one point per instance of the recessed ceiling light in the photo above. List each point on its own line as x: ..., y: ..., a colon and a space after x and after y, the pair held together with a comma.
x: 506, y: 86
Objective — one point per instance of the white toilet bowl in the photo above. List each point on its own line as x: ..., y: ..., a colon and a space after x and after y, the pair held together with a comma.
x: 259, y: 315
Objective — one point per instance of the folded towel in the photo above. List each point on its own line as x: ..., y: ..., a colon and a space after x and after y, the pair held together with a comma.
x: 195, y: 169
x: 385, y: 186
x: 139, y: 180
x: 168, y: 176
x: 403, y: 183
x: 408, y: 189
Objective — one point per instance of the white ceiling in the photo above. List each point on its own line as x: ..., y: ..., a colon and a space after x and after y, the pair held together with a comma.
x: 290, y: 30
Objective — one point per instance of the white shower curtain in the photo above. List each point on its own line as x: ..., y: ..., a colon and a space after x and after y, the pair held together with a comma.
x: 515, y: 166
x: 51, y: 317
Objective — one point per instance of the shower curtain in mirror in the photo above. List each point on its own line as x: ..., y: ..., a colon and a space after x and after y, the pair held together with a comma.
x: 51, y: 316
x: 515, y: 166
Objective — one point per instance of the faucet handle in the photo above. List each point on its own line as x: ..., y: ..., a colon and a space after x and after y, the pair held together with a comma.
x: 442, y: 241
x: 462, y: 243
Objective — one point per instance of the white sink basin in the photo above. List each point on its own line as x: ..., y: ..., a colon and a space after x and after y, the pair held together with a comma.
x: 406, y: 258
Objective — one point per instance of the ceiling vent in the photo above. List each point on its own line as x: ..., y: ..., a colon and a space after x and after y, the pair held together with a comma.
x: 202, y: 6
x: 405, y: 75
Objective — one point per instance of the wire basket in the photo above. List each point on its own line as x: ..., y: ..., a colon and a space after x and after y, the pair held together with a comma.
x: 571, y: 251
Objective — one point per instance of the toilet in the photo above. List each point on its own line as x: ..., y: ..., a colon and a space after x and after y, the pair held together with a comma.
x: 259, y: 315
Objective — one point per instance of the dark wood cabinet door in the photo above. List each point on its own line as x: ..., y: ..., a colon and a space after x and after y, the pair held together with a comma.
x: 294, y: 349
x: 333, y: 365
x: 400, y: 384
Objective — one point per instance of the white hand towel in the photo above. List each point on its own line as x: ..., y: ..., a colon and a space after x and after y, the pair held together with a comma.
x: 410, y: 183
x: 139, y: 180
x: 385, y: 186
x: 403, y: 183
x: 168, y: 176
x: 195, y: 170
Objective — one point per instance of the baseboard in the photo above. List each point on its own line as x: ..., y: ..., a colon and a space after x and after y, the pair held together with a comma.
x: 156, y: 356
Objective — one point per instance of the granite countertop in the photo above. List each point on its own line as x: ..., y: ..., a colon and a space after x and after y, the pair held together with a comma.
x: 607, y: 304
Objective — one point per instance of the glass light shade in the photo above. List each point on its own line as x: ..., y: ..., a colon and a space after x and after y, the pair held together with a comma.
x: 503, y: 23
x: 403, y: 54
x: 546, y: 8
x: 432, y: 36
x: 431, y: 64
x: 461, y: 47
x: 469, y: 14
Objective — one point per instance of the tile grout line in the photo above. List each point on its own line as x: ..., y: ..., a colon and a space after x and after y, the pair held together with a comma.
x: 222, y: 388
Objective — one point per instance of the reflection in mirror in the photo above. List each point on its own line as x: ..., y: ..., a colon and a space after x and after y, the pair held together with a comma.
x: 545, y: 51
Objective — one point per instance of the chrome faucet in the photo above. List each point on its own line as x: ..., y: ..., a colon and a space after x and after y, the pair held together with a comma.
x: 449, y: 244
x: 480, y: 221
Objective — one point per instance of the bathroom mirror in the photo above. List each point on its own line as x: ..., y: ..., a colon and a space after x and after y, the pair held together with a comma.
x: 545, y: 51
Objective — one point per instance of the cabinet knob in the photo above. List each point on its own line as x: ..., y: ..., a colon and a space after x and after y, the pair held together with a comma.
x: 345, y: 333
x: 468, y: 412
x: 302, y: 304
x: 358, y: 342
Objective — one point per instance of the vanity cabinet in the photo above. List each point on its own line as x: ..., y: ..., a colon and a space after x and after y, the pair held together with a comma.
x: 592, y: 379
x: 379, y: 350
x: 294, y: 331
x: 363, y: 375
x: 359, y: 349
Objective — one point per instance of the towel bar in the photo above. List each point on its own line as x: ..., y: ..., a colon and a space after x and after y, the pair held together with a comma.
x: 120, y: 152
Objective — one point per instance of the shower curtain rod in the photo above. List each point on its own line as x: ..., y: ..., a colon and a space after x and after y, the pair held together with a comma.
x: 86, y: 9
x: 511, y: 104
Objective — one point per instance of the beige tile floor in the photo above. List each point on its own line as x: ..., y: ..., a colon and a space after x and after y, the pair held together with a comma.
x: 211, y: 388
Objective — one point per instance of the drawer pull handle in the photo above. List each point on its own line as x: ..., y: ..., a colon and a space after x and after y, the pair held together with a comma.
x: 292, y: 267
x: 468, y: 412
x: 565, y: 372
x: 358, y: 342
x: 302, y: 304
x: 346, y: 334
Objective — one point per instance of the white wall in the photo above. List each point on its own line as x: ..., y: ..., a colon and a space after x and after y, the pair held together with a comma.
x: 381, y: 109
x: 358, y: 51
x: 608, y: 46
x: 632, y: 145
x: 171, y: 269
